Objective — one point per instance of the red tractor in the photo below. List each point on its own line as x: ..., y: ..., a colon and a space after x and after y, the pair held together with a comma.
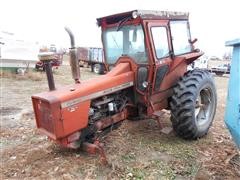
x: 147, y: 54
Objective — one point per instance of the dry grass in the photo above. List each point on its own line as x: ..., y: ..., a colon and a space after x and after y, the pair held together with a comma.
x: 7, y: 74
x: 29, y: 75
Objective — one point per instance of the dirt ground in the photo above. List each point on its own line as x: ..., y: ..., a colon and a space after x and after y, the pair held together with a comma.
x: 136, y: 150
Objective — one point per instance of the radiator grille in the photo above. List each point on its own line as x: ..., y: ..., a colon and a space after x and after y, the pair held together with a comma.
x: 45, y: 117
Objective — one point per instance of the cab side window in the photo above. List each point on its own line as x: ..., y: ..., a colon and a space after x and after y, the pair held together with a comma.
x: 160, y: 40
x: 180, y: 37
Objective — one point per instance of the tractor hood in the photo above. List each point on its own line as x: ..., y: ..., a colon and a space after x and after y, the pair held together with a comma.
x: 64, y: 111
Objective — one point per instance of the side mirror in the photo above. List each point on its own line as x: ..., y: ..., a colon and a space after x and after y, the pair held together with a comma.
x: 193, y: 41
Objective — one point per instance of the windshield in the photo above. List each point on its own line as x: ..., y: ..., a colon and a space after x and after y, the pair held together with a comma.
x: 127, y: 41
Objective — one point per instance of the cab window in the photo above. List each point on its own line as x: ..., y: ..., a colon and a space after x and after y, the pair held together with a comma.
x: 180, y: 37
x: 160, y: 40
x: 125, y: 41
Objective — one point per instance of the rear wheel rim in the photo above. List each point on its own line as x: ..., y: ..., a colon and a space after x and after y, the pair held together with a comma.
x: 204, y: 106
x: 96, y: 69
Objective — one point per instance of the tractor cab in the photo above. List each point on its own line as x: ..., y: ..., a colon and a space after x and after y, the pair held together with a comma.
x: 155, y: 43
x: 145, y: 36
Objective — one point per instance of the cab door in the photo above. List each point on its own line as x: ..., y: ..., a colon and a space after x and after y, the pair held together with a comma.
x: 161, y: 49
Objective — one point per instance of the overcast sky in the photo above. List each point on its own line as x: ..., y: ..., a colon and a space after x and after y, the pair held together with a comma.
x: 212, y: 21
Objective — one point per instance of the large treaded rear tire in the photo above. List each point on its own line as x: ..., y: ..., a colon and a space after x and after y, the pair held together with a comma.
x: 193, y: 104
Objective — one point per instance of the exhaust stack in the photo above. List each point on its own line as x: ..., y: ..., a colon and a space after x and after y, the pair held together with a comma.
x: 73, y: 57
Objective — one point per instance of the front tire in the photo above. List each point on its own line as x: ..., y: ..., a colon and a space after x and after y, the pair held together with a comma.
x: 193, y: 104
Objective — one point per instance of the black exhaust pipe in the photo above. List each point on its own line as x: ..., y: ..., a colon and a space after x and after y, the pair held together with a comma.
x: 48, y: 69
x: 47, y: 58
x: 73, y: 57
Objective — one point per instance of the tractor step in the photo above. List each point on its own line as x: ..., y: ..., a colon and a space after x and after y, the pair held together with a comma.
x: 161, y: 113
x: 157, y: 115
x: 166, y: 130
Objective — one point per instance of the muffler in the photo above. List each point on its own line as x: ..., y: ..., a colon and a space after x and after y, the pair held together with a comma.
x: 73, y: 57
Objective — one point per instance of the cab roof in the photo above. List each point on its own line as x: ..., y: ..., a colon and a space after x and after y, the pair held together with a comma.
x: 143, y: 14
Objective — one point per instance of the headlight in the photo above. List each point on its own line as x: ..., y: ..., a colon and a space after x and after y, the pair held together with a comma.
x: 134, y: 14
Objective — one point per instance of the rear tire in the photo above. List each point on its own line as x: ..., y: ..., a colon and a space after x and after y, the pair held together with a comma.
x: 98, y: 68
x: 219, y: 73
x: 193, y: 104
x: 37, y: 67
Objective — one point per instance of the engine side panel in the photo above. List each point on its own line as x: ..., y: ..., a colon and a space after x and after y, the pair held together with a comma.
x: 75, y: 117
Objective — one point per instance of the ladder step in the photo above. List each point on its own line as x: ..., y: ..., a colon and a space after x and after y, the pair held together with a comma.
x: 161, y: 113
